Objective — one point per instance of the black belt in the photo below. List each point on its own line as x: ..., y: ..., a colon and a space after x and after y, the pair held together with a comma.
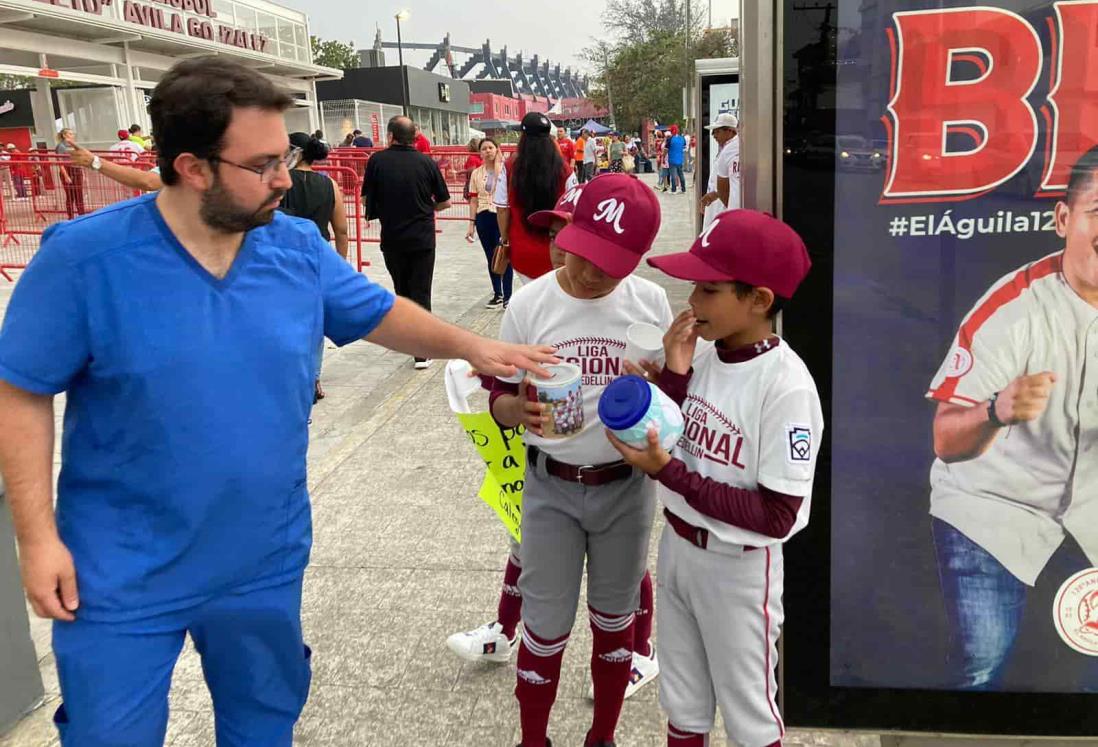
x: 694, y: 535
x: 588, y: 474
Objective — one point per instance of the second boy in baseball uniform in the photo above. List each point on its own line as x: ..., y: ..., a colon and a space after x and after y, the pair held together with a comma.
x: 737, y: 485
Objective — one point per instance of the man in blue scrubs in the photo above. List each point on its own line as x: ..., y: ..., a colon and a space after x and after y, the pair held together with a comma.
x: 183, y: 327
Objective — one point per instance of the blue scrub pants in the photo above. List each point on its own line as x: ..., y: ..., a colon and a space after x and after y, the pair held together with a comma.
x: 115, y: 676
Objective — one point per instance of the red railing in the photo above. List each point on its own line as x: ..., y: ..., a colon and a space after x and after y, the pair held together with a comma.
x: 40, y: 188
x: 359, y: 232
x: 43, y: 190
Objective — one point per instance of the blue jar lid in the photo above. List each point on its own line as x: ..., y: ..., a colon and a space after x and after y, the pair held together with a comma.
x: 624, y: 402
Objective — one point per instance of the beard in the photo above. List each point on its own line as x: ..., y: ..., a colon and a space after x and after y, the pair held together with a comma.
x: 220, y: 211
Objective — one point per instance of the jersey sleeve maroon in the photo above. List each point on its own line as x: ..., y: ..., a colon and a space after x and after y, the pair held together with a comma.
x: 764, y: 511
x: 675, y: 385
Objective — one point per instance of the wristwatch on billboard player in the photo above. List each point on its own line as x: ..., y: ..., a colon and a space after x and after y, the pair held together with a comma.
x: 991, y: 414
x: 96, y: 163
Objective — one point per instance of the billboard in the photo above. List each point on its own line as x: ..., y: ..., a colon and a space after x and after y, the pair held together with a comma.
x: 964, y: 398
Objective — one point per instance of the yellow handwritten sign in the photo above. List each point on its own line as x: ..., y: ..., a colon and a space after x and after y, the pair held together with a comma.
x: 504, y: 455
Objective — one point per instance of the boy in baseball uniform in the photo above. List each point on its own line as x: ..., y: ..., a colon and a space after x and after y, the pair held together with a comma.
x: 737, y: 485
x: 581, y: 502
x: 495, y: 641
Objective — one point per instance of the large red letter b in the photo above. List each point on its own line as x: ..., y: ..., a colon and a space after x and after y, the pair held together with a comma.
x: 934, y: 107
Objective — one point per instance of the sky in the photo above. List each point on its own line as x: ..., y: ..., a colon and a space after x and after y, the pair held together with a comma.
x: 559, y: 37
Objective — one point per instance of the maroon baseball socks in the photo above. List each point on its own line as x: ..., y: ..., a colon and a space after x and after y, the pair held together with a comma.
x: 677, y: 737
x: 538, y: 665
x: 510, y: 599
x: 611, y: 663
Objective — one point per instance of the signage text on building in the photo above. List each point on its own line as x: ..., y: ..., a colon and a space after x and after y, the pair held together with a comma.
x: 166, y: 15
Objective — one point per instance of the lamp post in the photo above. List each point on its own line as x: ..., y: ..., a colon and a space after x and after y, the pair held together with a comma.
x: 402, y: 15
x: 686, y: 88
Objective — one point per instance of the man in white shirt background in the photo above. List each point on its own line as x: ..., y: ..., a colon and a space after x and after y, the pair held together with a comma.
x: 126, y: 146
x: 723, y: 191
x: 590, y: 157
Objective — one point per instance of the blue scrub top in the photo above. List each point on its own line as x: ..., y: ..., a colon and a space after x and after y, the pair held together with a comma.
x: 185, y: 433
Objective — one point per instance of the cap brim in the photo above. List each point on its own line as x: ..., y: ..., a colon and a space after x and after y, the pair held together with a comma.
x: 545, y: 218
x: 605, y: 255
x: 687, y: 266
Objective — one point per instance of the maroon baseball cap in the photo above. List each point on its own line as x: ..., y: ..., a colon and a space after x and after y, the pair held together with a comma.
x: 563, y: 210
x: 745, y: 246
x: 614, y: 223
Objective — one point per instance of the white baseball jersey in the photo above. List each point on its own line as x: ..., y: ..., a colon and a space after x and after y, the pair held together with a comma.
x: 1038, y: 478
x: 129, y: 147
x: 590, y: 334
x: 719, y: 610
x: 727, y: 166
x: 750, y: 423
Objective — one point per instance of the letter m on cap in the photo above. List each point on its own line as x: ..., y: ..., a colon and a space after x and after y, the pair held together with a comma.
x: 611, y: 211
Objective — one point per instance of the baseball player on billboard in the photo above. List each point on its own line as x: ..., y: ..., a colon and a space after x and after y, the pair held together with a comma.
x: 737, y: 485
x: 495, y: 641
x: 1015, y: 435
x: 581, y: 502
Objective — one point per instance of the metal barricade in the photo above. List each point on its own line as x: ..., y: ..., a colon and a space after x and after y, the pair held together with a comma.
x: 359, y: 232
x: 451, y: 160
x: 53, y: 190
x: 41, y: 188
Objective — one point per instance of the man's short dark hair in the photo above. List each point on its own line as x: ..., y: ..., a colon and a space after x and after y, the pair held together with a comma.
x: 403, y: 130
x: 1082, y: 173
x: 743, y: 290
x: 135, y: 128
x: 193, y: 104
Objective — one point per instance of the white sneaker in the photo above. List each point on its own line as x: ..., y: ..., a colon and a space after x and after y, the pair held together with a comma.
x: 645, y: 669
x: 422, y: 363
x: 486, y: 643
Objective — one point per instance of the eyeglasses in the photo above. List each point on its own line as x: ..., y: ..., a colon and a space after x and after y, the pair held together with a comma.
x: 267, y: 171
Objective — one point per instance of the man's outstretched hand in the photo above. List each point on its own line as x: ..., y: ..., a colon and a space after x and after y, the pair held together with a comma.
x: 503, y: 359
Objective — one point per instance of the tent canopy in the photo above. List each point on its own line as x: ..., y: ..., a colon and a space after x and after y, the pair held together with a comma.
x: 595, y: 127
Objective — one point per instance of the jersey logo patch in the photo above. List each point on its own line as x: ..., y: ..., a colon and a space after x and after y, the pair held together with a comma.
x: 960, y: 362
x: 800, y: 443
x: 1075, y: 612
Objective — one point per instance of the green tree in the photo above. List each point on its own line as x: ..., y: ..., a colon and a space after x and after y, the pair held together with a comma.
x: 331, y: 53
x: 15, y: 82
x: 644, y: 20
x: 641, y: 70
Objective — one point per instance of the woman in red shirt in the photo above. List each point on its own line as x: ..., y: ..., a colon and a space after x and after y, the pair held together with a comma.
x: 537, y: 176
x: 474, y: 158
x: 471, y: 163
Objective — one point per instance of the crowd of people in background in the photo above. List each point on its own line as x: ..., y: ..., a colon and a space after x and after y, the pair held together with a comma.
x: 404, y: 195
